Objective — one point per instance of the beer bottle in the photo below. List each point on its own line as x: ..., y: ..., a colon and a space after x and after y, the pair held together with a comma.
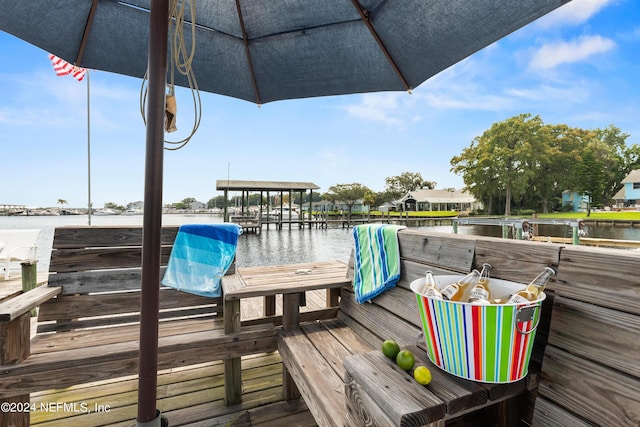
x: 533, y: 289
x: 431, y: 290
x: 456, y: 291
x: 480, y: 293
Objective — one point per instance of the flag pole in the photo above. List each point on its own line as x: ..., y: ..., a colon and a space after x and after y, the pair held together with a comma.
x: 89, y: 144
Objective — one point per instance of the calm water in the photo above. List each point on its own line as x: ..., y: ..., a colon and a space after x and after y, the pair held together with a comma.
x: 273, y: 246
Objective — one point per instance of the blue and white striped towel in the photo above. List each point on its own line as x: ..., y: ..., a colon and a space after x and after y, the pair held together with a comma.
x: 377, y: 260
x: 201, y: 255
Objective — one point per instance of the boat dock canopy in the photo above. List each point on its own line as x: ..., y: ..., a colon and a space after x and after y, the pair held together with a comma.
x: 239, y: 185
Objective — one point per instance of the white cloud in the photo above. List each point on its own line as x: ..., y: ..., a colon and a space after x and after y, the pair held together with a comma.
x: 574, y: 92
x: 553, y: 54
x: 377, y: 107
x: 575, y: 12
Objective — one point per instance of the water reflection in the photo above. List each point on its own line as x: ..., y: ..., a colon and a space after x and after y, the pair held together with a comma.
x: 294, y: 246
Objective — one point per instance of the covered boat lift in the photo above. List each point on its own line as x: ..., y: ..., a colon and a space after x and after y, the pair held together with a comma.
x: 246, y: 187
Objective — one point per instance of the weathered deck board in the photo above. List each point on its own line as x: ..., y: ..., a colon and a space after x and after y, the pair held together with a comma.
x: 261, y: 407
x: 185, y: 396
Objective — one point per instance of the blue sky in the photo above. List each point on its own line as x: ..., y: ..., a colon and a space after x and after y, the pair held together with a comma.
x: 579, y: 65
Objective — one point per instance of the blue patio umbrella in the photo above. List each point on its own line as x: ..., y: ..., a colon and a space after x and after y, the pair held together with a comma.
x: 259, y: 51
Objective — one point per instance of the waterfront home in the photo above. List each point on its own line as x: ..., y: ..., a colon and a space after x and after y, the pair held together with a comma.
x: 629, y: 194
x: 440, y: 200
x: 578, y: 201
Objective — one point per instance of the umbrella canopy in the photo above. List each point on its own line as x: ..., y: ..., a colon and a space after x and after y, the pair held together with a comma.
x: 259, y: 51
x: 268, y: 50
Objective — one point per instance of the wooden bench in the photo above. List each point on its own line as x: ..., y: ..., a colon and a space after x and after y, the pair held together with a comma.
x: 88, y: 323
x: 314, y: 353
x: 591, y: 367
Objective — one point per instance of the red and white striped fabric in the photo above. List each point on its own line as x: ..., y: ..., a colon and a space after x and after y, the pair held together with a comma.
x: 63, y: 68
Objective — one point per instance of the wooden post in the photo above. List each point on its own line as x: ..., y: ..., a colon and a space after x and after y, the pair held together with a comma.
x: 15, y: 346
x: 225, y: 213
x: 576, y: 236
x: 269, y: 308
x: 290, y: 322
x: 29, y: 279
x: 333, y: 297
x: 291, y: 312
x: 233, y: 366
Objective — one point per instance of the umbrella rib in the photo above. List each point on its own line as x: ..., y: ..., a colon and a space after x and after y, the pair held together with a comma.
x: 364, y: 16
x: 245, y: 41
x: 87, y: 30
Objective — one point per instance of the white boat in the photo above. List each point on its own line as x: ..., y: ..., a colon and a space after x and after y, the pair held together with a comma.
x: 104, y: 212
x: 274, y: 214
x: 132, y: 212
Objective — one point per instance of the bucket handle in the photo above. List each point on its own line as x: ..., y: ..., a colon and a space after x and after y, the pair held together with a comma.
x: 526, y: 314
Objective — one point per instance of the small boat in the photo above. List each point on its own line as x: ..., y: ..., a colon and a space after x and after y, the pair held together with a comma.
x: 104, y: 212
x: 274, y: 214
x: 132, y: 212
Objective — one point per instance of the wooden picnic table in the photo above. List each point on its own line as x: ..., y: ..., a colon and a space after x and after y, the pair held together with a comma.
x: 289, y: 280
x: 272, y: 280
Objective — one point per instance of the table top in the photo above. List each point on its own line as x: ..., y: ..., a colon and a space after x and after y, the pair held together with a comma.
x: 287, y: 278
x: 380, y: 388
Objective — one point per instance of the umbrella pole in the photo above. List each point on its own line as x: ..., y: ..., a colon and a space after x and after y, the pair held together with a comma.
x: 148, y: 415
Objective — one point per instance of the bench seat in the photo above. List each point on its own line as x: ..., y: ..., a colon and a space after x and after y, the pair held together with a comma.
x: 328, y: 361
x: 57, y: 366
x: 591, y: 367
x: 88, y: 326
x: 322, y: 358
x: 313, y: 355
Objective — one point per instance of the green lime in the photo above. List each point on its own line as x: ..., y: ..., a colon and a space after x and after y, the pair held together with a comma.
x: 422, y: 375
x: 405, y: 360
x: 390, y: 349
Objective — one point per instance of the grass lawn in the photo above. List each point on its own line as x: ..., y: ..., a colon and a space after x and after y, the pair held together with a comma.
x: 623, y: 215
x: 418, y: 214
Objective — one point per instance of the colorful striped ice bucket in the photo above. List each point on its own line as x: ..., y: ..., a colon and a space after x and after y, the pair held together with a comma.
x: 485, y: 343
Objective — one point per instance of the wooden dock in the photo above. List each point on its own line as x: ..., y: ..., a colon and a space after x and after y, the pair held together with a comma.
x: 591, y: 241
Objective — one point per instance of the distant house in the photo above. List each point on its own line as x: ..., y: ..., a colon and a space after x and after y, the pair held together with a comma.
x: 327, y: 206
x: 579, y: 201
x: 322, y: 206
x: 357, y: 206
x: 388, y: 207
x: 439, y: 200
x: 629, y: 195
x: 197, y: 206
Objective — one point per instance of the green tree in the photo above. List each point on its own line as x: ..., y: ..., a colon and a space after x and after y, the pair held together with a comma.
x: 114, y: 206
x: 501, y: 162
x: 610, y: 148
x: 216, y: 202
x: 400, y: 185
x: 632, y: 158
x: 369, y: 199
x: 561, y: 146
x: 591, y: 173
x: 62, y: 202
x: 348, y: 194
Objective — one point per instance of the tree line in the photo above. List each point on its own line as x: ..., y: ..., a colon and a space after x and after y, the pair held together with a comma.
x: 520, y: 163
x: 348, y: 194
x: 526, y: 163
